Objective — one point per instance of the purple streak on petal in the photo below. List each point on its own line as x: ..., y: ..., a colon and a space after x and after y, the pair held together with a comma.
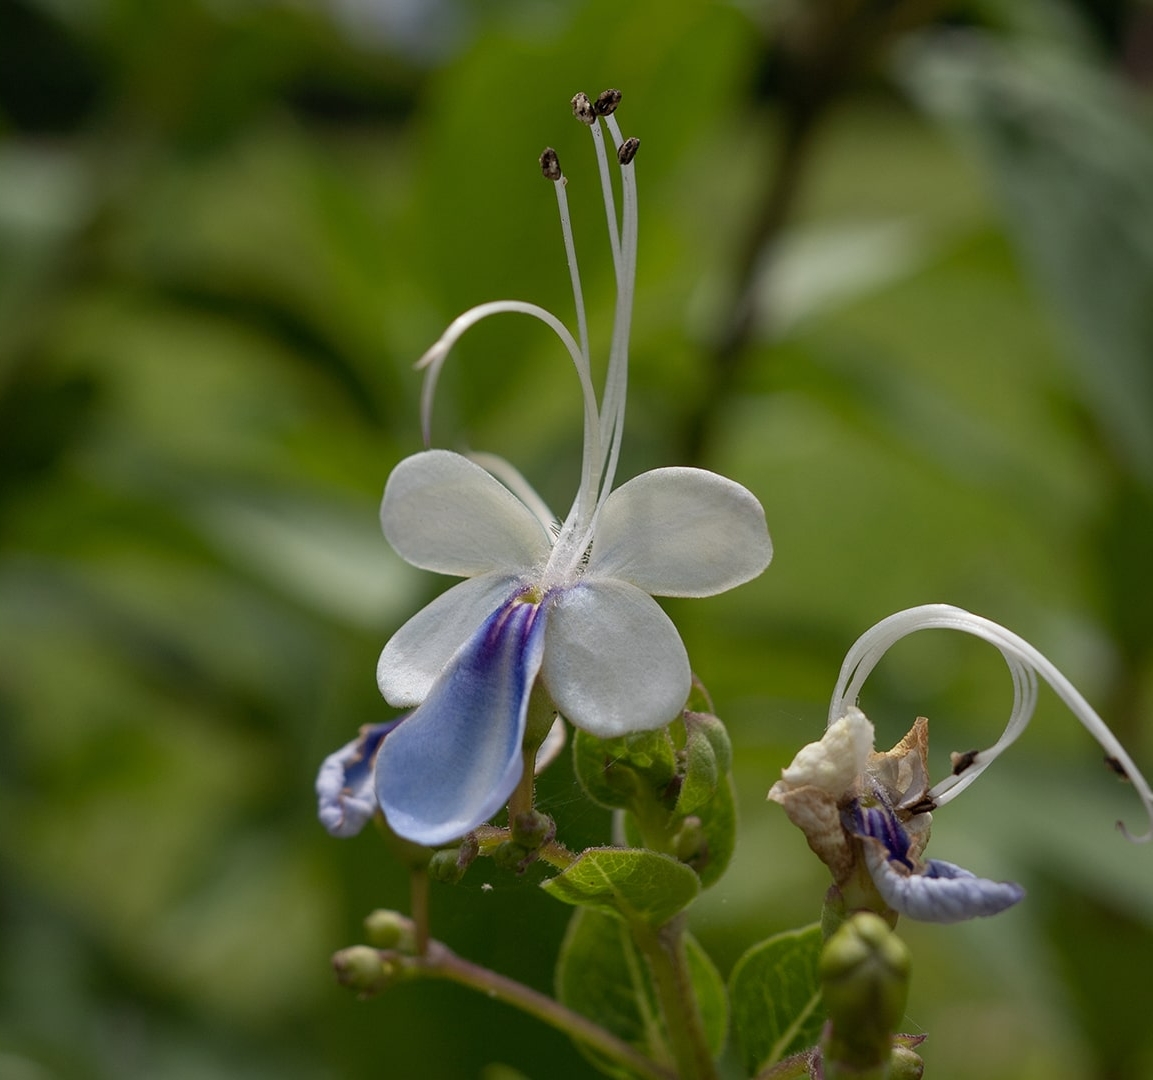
x: 457, y: 758
x: 344, y: 796
x: 882, y: 825
x: 942, y: 893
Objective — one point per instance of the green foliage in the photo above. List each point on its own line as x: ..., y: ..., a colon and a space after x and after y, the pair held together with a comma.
x: 226, y: 233
x: 601, y: 975
x: 637, y: 884
x: 775, y: 997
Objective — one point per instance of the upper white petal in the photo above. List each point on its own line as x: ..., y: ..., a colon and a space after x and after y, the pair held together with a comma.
x: 442, y: 512
x: 613, y: 661
x: 417, y: 653
x: 681, y: 532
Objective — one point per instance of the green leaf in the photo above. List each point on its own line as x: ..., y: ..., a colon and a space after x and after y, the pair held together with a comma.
x: 719, y: 825
x: 776, y: 998
x: 601, y: 975
x: 625, y: 881
x: 619, y: 772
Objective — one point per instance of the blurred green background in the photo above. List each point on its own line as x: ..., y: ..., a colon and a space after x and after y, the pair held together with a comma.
x: 896, y: 276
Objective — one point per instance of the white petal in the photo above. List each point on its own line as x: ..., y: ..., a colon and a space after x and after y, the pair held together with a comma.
x: 442, y: 512
x: 834, y: 763
x: 681, y: 532
x: 416, y: 654
x: 613, y: 662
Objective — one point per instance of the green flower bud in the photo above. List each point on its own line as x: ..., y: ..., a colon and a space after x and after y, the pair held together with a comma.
x: 691, y: 843
x: 864, y: 972
x: 362, y: 969
x: 389, y: 930
x: 532, y: 829
x: 513, y: 856
x: 905, y: 1064
x: 449, y: 864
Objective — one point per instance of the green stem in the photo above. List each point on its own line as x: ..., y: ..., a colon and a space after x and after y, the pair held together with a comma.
x: 664, y: 950
x: 441, y: 962
x: 418, y: 892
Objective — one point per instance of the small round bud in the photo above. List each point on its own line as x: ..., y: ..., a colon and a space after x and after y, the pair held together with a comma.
x: 550, y: 164
x: 905, y: 1064
x: 583, y: 109
x: 361, y: 969
x: 449, y: 864
x: 512, y: 856
x: 389, y: 930
x: 628, y: 150
x: 533, y: 829
x: 607, y: 102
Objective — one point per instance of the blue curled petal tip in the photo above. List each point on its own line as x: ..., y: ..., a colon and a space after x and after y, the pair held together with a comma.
x: 941, y: 893
x: 345, y: 799
x: 457, y: 758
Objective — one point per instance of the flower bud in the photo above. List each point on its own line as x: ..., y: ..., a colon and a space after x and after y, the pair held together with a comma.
x: 512, y: 856
x: 533, y: 829
x: 449, y: 864
x: 864, y: 971
x: 362, y: 969
x: 389, y: 930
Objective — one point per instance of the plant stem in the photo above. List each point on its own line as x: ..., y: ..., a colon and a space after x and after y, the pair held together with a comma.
x: 418, y: 893
x: 664, y: 950
x: 441, y: 962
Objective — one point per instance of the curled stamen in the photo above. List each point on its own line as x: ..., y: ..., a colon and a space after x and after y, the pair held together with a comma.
x: 583, y: 109
x: 607, y: 102
x: 550, y: 164
x: 628, y: 150
x: 1025, y: 664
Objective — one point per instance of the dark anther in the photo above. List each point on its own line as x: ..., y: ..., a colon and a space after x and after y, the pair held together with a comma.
x: 962, y: 761
x: 1116, y: 766
x: 925, y: 806
x: 583, y: 110
x: 607, y: 102
x: 550, y: 164
x: 628, y: 150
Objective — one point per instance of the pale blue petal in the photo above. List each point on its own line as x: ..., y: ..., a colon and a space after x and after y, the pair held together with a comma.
x: 456, y: 759
x: 344, y: 797
x: 417, y: 653
x: 681, y: 532
x: 942, y: 893
x: 614, y: 662
x: 444, y: 513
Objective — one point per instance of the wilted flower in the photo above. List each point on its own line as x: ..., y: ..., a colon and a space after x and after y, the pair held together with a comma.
x: 569, y: 604
x: 867, y: 814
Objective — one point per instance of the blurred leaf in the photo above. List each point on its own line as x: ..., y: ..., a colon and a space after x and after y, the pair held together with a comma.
x: 775, y: 996
x: 634, y: 883
x: 1070, y: 155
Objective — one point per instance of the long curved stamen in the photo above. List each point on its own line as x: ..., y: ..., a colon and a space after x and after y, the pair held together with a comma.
x: 584, y: 110
x: 433, y: 360
x: 591, y: 464
x: 616, y: 380
x: 1025, y: 664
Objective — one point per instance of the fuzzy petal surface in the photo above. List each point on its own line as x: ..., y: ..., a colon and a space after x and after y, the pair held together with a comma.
x: 614, y: 663
x: 345, y: 800
x: 942, y: 893
x: 417, y: 653
x: 681, y: 532
x: 455, y: 760
x: 445, y: 513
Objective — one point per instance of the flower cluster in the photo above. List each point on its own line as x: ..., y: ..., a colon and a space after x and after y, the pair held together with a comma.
x: 561, y: 607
